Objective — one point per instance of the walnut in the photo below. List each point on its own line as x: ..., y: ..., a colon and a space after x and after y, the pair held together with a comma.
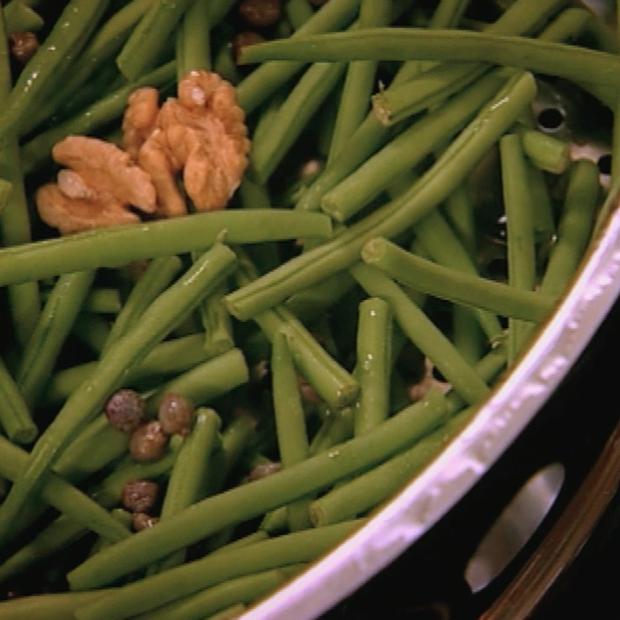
x: 201, y: 133
x: 139, y: 119
x: 96, y: 190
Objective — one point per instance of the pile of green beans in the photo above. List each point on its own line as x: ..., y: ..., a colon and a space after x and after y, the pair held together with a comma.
x: 306, y: 322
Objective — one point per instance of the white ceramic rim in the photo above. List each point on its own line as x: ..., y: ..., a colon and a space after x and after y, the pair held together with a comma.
x: 498, y: 423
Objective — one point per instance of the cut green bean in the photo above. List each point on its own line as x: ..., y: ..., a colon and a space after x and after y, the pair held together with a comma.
x: 144, y: 47
x: 407, y: 150
x: 439, y: 182
x: 189, y: 475
x: 6, y: 187
x: 193, y: 41
x: 69, y: 34
x: 48, y: 606
x: 252, y: 500
x: 105, y: 43
x: 546, y: 152
x: 359, y: 83
x: 448, y: 14
x: 217, y: 323
x: 60, y: 494
x: 444, y: 248
x: 103, y: 301
x: 15, y: 417
x: 64, y: 530
x: 92, y: 330
x: 120, y: 245
x: 85, y: 402
x: 37, y: 151
x: 457, y: 286
x: 575, y: 228
x: 158, y: 276
x: 520, y: 232
x: 182, y: 581
x: 168, y: 358
x: 423, y: 333
x: 24, y: 300
x: 232, y: 612
x: 21, y: 18
x: 337, y: 427
x: 374, y: 364
x: 265, y: 80
x: 290, y: 423
x: 378, y: 485
x: 292, y: 117
x: 205, y: 382
x: 594, y: 71
x: 334, y: 384
x: 53, y: 328
x: 239, y: 590
x: 298, y: 12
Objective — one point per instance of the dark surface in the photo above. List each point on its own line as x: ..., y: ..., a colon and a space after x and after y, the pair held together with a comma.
x: 427, y: 581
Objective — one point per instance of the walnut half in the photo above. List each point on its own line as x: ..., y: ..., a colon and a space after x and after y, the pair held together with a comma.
x: 97, y: 189
x: 201, y: 133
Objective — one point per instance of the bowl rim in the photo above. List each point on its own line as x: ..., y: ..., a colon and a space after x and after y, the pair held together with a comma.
x: 499, y: 421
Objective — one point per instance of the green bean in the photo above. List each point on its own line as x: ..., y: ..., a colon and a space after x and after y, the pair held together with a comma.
x: 575, y: 228
x: 24, y: 300
x: 105, y: 43
x: 211, y: 570
x: 293, y: 116
x: 103, y: 301
x: 266, y: 79
x: 459, y: 210
x: 6, y: 187
x: 67, y: 37
x: 124, y: 517
x: 193, y: 43
x: 407, y: 150
x: 378, y: 485
x: 54, y: 326
x: 546, y: 152
x: 454, y: 285
x: 594, y: 71
x: 337, y: 427
x: 217, y: 323
x: 90, y: 397
x: 290, y: 423
x: 360, y: 80
x: 544, y: 217
x: 298, y: 12
x: 21, y: 18
x: 64, y: 530
x: 240, y: 590
x: 250, y: 539
x: 189, y: 475
x: 37, y: 151
x: 206, y: 381
x: 169, y: 357
x: 157, y: 277
x: 92, y: 330
x: 374, y: 364
x: 275, y: 522
x: 520, y: 232
x: 334, y: 384
x: 48, y: 606
x: 310, y: 303
x: 442, y: 179
x: 245, y: 502
x: 230, y: 613
x: 423, y: 333
x: 467, y: 335
x: 15, y: 416
x: 60, y: 494
x: 145, y: 44
x: 448, y: 14
x: 120, y: 245
x: 444, y: 248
